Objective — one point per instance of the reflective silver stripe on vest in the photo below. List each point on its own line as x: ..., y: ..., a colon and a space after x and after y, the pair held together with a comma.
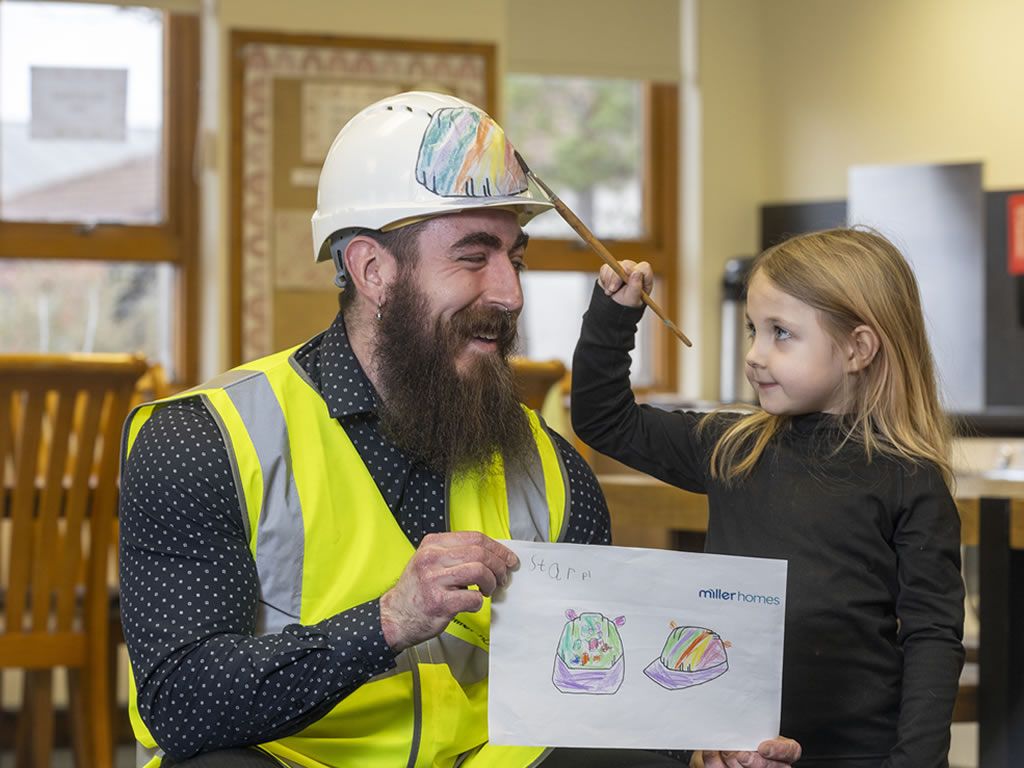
x: 225, y: 380
x: 543, y: 756
x: 144, y: 754
x: 279, y: 533
x: 567, y: 508
x: 417, y: 709
x: 467, y: 662
x: 529, y: 518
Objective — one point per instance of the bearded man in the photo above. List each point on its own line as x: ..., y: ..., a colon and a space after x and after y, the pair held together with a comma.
x: 308, y: 541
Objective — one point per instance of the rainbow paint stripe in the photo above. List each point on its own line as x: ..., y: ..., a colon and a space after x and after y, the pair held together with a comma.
x: 464, y: 153
x: 697, y: 642
x: 691, y: 656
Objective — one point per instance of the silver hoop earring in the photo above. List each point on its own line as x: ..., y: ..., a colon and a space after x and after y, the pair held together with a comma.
x: 379, y: 307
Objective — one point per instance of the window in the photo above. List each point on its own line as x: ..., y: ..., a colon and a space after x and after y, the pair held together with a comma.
x: 608, y: 148
x: 98, y: 114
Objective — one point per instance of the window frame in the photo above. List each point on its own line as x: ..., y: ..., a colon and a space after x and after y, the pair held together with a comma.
x: 175, y: 240
x: 660, y: 246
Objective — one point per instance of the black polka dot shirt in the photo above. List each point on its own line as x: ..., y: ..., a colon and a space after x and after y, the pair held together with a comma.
x: 189, y: 588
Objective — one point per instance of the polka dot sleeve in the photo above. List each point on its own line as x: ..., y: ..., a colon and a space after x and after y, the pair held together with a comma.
x: 589, y: 522
x: 189, y: 593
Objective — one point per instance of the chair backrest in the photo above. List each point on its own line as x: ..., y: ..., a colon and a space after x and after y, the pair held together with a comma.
x: 60, y: 424
x: 152, y: 385
x: 535, y: 378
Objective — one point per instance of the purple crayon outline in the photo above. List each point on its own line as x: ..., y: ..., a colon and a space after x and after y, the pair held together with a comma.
x: 580, y: 680
x: 674, y: 679
x: 597, y: 681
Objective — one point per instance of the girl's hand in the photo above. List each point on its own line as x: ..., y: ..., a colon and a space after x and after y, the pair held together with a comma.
x: 641, y: 277
x: 773, y: 753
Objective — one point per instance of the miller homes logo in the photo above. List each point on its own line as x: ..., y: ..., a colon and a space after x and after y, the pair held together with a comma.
x: 739, y: 597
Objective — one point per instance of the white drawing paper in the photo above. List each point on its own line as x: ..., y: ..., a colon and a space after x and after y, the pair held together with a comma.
x: 620, y: 647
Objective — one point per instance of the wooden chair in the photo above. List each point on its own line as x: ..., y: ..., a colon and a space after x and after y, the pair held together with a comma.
x: 535, y: 378
x: 60, y: 424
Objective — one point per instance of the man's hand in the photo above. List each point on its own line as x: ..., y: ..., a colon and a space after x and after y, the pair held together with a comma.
x: 773, y: 753
x: 435, y: 585
x: 641, y: 277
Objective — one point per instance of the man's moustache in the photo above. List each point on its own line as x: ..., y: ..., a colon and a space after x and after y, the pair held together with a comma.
x: 471, y: 323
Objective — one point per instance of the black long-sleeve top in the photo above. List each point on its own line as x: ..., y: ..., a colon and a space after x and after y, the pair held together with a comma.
x: 874, y: 607
x: 189, y: 587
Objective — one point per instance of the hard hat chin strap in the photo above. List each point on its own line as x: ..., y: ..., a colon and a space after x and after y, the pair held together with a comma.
x: 337, y: 244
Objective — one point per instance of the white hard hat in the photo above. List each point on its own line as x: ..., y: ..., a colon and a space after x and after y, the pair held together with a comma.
x: 412, y: 156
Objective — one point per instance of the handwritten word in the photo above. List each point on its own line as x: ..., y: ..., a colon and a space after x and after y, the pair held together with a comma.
x: 557, y: 572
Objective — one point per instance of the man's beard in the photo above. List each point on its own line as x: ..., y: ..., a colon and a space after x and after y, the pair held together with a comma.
x: 450, y: 422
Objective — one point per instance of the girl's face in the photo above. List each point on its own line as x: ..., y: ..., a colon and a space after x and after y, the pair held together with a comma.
x: 793, y: 365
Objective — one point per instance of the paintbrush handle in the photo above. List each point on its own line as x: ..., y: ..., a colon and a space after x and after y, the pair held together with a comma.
x: 597, y: 246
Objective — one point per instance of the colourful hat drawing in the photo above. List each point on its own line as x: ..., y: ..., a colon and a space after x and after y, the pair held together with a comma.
x: 589, y: 658
x: 465, y: 154
x: 691, y: 656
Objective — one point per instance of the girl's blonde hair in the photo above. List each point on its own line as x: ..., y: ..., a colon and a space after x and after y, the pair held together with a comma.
x: 855, y: 277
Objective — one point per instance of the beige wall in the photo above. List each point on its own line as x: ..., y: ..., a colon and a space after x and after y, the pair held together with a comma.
x: 598, y: 38
x: 721, y: 202
x: 795, y: 91
x: 912, y: 81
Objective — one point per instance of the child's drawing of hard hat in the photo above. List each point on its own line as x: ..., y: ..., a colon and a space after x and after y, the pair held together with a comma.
x: 589, y: 657
x: 690, y: 656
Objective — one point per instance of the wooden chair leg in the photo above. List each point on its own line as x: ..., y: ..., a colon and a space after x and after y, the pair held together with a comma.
x: 35, y: 723
x: 22, y: 739
x: 98, y: 706
x: 22, y: 736
x: 79, y: 721
x: 115, y: 639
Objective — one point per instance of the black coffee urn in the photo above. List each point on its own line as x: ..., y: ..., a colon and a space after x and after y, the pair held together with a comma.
x: 733, y: 385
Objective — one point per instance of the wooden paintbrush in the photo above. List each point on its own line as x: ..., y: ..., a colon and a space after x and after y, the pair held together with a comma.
x: 598, y: 247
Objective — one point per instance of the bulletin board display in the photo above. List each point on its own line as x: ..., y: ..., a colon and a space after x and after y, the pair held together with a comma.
x: 290, y: 95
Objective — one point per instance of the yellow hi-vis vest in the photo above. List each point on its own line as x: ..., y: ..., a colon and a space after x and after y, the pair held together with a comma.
x: 324, y: 541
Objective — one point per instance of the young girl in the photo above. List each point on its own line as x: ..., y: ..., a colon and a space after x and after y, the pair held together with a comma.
x: 844, y: 471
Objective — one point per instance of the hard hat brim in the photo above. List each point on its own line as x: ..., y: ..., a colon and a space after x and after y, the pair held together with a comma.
x: 525, y: 210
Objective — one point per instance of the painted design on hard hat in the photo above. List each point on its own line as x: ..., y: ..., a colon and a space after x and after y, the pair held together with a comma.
x: 464, y: 153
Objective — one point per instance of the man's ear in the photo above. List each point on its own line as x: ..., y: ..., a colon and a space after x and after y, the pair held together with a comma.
x: 862, y: 346
x: 370, y: 267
